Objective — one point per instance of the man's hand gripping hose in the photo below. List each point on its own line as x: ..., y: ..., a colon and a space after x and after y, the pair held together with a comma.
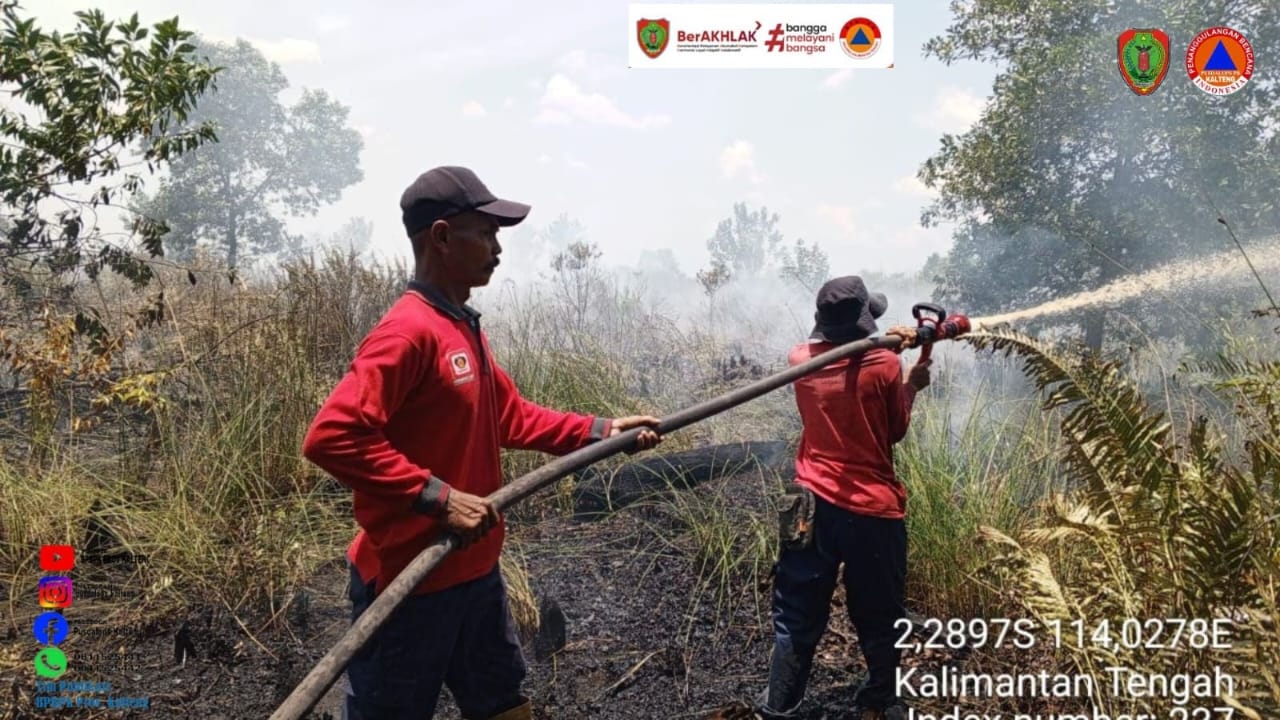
x: 312, y: 687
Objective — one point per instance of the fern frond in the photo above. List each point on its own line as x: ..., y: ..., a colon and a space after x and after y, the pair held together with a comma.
x: 1256, y: 385
x: 1154, y: 529
x: 1114, y: 440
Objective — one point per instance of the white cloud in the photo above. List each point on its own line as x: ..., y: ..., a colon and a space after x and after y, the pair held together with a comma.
x: 954, y: 110
x: 575, y: 163
x: 283, y: 51
x: 288, y: 50
x: 911, y: 185
x: 842, y: 216
x: 329, y: 23
x: 547, y: 116
x: 474, y: 109
x: 508, y: 103
x: 573, y: 61
x: 740, y: 158
x: 544, y: 159
x: 366, y: 131
x: 591, y: 68
x: 837, y: 78
x: 563, y: 100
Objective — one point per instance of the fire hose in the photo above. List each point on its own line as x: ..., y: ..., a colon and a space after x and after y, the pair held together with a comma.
x: 308, y: 692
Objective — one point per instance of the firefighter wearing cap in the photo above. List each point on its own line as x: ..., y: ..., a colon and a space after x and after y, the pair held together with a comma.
x: 846, y: 506
x: 414, y: 429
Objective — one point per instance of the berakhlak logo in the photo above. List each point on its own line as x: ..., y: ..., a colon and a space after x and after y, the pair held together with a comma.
x: 1220, y: 60
x: 55, y: 592
x: 653, y: 35
x: 860, y: 38
x: 50, y: 628
x: 51, y: 663
x: 57, y: 558
x: 1144, y: 58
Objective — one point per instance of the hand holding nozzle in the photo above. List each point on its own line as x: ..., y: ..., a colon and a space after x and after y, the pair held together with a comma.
x: 910, y: 338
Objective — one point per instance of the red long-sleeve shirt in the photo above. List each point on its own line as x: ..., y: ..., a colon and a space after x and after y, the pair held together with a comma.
x: 424, y: 405
x: 853, y: 412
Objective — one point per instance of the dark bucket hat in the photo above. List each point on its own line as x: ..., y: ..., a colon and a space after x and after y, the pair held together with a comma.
x: 847, y: 311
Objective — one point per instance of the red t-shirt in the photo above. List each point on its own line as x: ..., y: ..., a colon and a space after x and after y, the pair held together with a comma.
x: 422, y: 398
x: 853, y: 412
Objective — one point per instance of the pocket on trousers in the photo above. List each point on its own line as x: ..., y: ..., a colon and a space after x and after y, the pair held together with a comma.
x: 795, y: 520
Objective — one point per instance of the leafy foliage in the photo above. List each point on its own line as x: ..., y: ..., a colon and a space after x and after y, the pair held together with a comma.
x: 747, y: 243
x: 806, y: 265
x: 578, y: 280
x: 1069, y: 179
x: 1155, y: 528
x: 271, y: 160
x: 95, y: 105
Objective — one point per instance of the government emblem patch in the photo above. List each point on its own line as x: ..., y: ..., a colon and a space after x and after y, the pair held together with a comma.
x: 1144, y: 58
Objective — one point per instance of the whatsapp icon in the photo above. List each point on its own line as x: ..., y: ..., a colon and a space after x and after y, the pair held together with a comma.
x: 51, y: 663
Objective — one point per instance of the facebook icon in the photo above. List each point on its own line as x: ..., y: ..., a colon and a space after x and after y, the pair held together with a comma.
x: 51, y: 628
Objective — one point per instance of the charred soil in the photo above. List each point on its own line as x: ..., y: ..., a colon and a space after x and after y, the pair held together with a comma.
x: 655, y: 627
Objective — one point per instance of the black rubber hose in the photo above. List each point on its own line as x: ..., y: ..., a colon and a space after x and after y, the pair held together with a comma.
x: 308, y: 692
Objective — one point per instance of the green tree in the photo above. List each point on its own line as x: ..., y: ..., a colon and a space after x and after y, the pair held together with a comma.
x: 94, y: 108
x: 712, y: 279
x: 356, y: 235
x: 353, y: 238
x: 579, y: 282
x: 527, y: 248
x: 560, y: 235
x: 806, y: 265
x: 1069, y: 179
x: 271, y: 161
x: 933, y: 270
x: 747, y: 243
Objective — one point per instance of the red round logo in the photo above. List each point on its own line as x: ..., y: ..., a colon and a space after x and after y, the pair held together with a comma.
x: 1220, y: 60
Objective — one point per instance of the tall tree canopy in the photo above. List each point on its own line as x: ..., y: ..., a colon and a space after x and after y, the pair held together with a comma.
x: 749, y: 245
x: 271, y: 161
x: 1069, y: 178
x: 89, y: 110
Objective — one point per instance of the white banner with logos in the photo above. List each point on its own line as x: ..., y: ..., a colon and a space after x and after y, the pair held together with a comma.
x: 666, y: 36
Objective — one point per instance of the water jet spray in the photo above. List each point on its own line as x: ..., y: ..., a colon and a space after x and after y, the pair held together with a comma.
x: 308, y: 692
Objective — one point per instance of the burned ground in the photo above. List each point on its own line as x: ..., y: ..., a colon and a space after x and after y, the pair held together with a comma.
x: 654, y: 627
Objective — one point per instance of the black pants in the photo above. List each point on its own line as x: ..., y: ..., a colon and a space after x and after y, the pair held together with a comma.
x: 463, y: 637
x: 874, y: 553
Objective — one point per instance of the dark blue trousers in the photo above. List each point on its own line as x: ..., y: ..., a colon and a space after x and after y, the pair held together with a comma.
x: 463, y: 637
x: 874, y: 553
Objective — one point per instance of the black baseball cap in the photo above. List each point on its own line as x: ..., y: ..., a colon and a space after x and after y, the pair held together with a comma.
x: 847, y: 311
x: 449, y: 190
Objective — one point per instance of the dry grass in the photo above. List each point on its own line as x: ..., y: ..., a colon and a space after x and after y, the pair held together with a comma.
x: 190, y: 457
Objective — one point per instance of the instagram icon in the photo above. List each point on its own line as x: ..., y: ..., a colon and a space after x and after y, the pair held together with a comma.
x: 55, y: 592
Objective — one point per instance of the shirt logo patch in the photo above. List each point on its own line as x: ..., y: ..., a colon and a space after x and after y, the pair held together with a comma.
x: 460, y: 361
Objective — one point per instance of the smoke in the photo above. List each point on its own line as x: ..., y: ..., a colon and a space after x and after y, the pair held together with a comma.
x: 1224, y: 270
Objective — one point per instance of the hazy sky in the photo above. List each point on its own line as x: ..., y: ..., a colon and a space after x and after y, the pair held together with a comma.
x: 537, y: 98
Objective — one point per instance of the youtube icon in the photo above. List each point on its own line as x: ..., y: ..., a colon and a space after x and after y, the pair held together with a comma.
x: 57, y: 558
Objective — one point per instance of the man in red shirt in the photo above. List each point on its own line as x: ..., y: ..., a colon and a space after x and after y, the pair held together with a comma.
x: 415, y: 429
x: 849, y: 505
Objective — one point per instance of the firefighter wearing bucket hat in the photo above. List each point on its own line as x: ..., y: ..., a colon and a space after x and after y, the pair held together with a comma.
x: 846, y: 506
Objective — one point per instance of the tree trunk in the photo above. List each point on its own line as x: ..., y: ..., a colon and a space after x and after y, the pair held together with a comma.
x: 232, y: 231
x: 1095, y: 322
